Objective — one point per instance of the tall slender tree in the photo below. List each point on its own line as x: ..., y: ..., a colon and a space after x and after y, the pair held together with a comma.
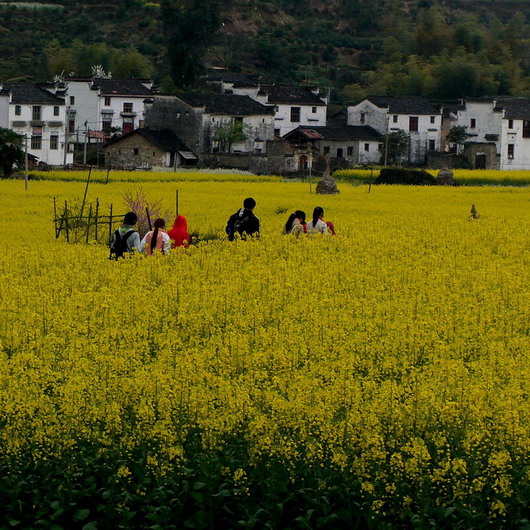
x: 189, y: 26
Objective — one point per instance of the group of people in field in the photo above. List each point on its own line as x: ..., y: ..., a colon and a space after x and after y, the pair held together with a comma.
x: 242, y: 223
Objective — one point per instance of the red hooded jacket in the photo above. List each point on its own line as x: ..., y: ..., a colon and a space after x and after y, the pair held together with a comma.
x: 179, y: 233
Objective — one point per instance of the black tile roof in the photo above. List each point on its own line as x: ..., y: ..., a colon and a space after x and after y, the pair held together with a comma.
x: 165, y: 139
x: 278, y: 93
x: 122, y: 87
x: 346, y: 132
x: 226, y: 104
x: 515, y: 108
x: 404, y: 104
x: 32, y: 94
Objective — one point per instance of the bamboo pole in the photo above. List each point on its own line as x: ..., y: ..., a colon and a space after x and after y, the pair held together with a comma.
x: 55, y: 216
x: 88, y: 224
x: 86, y: 192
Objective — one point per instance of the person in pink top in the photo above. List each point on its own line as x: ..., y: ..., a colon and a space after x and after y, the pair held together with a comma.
x: 156, y: 239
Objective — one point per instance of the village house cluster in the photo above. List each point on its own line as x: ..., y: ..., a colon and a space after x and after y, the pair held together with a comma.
x: 263, y: 127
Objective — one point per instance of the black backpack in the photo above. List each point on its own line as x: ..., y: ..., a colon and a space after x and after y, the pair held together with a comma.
x: 119, y: 247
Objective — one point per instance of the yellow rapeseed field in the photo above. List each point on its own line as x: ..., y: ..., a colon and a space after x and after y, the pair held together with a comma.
x: 398, y: 351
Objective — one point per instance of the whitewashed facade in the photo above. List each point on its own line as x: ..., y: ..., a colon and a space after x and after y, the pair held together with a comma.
x: 417, y: 117
x: 38, y: 115
x: 293, y: 105
x: 502, y: 121
x: 105, y: 105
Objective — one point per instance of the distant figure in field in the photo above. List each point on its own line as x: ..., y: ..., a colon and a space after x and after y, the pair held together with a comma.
x: 317, y: 224
x: 474, y: 214
x: 179, y: 234
x: 243, y: 222
x: 156, y: 239
x: 295, y: 224
x: 126, y: 239
x: 331, y: 228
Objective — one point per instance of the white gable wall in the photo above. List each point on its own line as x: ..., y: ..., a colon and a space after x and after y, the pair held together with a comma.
x: 428, y: 133
x: 521, y: 146
x: 310, y: 115
x: 50, y: 129
x: 258, y: 130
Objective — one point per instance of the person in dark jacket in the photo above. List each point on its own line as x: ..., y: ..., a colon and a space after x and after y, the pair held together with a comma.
x: 243, y: 222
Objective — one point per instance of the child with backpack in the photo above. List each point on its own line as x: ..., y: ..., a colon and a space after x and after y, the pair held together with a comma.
x: 126, y: 239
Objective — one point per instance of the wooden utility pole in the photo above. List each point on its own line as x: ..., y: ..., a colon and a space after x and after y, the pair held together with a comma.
x: 26, y: 176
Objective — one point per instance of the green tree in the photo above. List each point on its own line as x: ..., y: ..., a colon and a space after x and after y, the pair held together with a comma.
x: 59, y: 58
x: 227, y: 134
x: 395, y: 147
x: 11, y: 153
x: 458, y: 135
x: 131, y: 63
x: 188, y: 29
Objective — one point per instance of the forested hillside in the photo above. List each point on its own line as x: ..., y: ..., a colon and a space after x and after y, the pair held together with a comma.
x: 442, y: 50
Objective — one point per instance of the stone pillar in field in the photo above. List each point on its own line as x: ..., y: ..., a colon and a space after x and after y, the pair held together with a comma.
x: 327, y: 185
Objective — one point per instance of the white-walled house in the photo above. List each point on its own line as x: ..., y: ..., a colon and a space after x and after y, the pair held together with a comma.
x: 106, y: 105
x: 354, y: 144
x: 39, y: 115
x: 501, y: 121
x: 416, y: 116
x: 293, y: 105
x: 204, y: 122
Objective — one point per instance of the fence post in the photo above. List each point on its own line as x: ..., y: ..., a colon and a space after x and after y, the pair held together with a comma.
x: 96, y: 220
x: 110, y: 224
x: 66, y: 222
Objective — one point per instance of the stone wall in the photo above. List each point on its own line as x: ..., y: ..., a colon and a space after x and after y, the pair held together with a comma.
x: 122, y: 154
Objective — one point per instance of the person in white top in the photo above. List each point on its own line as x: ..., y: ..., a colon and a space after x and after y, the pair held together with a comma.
x: 317, y: 225
x: 156, y: 239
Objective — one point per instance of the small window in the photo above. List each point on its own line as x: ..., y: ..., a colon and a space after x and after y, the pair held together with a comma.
x: 327, y: 149
x: 526, y: 129
x: 473, y: 123
x: 36, y: 114
x: 54, y: 142
x: 277, y: 132
x: 106, y: 125
x: 367, y: 147
x: 433, y: 119
x: 413, y: 124
x: 18, y: 110
x: 314, y: 110
x: 380, y: 148
x: 394, y: 118
x: 340, y: 152
x: 127, y: 107
x: 72, y: 100
x: 511, y: 150
x: 107, y: 101
x: 135, y: 151
x: 71, y: 125
x: 350, y: 151
x: 56, y: 110
x: 36, y: 142
x: 154, y: 154
x: 295, y: 114
x: 363, y: 117
x: 238, y: 119
x: 510, y: 124
x: 432, y: 145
